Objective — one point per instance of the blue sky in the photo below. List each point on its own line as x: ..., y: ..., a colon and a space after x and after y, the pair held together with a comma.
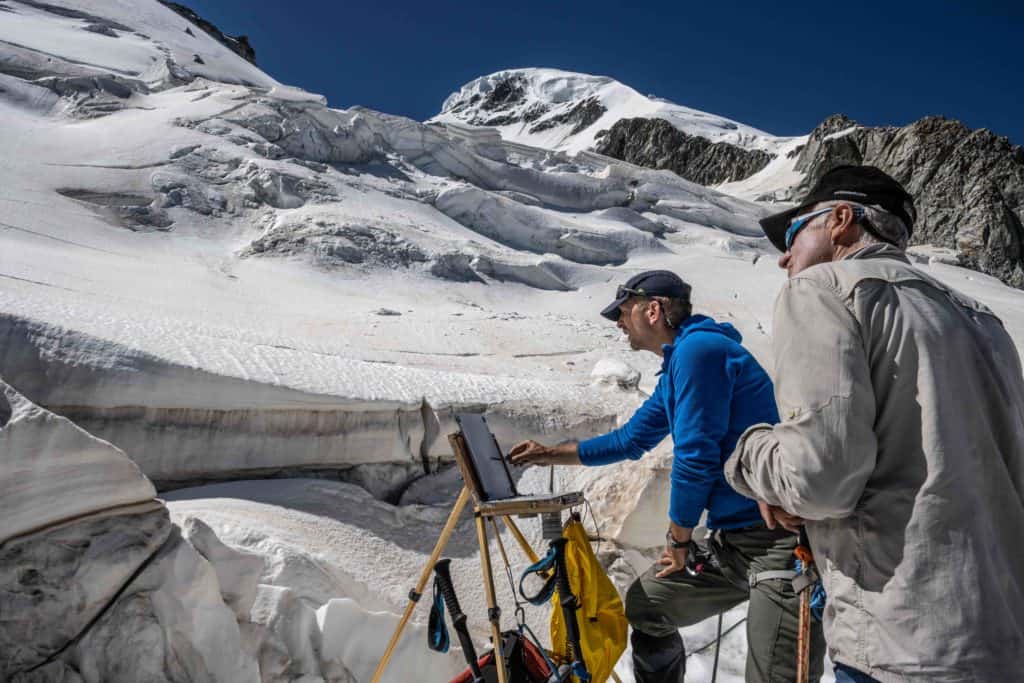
x: 782, y: 67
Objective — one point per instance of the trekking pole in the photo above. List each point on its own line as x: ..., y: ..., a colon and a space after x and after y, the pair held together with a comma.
x: 444, y: 582
x: 803, y: 643
x: 569, y: 604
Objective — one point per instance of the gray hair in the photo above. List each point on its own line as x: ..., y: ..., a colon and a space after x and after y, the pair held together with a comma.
x: 886, y: 228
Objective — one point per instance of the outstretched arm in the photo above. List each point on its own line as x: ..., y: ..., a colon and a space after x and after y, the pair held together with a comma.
x: 644, y: 431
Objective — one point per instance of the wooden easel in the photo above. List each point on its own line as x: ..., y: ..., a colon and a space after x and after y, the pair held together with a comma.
x: 482, y: 509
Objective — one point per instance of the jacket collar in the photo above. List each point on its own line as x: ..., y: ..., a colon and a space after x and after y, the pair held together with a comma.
x: 874, y: 251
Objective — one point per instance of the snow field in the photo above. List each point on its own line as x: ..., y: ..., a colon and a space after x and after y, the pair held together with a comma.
x: 227, y: 279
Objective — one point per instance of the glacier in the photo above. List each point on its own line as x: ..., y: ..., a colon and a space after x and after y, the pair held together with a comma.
x: 237, y: 323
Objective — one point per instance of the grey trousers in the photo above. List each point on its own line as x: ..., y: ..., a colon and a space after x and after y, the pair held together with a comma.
x: 657, y: 608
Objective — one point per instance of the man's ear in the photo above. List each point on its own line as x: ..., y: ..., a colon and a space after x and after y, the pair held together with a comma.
x: 843, y: 229
x: 654, y: 308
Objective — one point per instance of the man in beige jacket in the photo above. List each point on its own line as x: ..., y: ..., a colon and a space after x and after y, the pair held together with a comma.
x: 901, y: 444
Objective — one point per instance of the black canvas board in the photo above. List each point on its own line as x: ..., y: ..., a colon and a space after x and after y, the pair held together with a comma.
x: 485, y: 457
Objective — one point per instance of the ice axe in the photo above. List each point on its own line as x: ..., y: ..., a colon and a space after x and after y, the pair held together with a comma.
x: 803, y: 585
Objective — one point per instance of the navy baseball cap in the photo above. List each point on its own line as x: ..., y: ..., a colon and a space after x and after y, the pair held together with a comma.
x: 650, y: 283
x: 865, y: 185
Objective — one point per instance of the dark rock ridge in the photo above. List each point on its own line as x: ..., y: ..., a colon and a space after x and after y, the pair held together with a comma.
x: 501, y: 106
x: 508, y: 92
x: 968, y: 185
x: 583, y: 114
x: 656, y: 143
x: 237, y: 44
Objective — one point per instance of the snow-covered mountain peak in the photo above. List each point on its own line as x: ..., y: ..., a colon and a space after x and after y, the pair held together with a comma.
x: 567, y: 111
x: 141, y: 46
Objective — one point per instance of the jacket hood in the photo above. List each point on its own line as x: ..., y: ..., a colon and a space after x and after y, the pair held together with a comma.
x: 702, y: 323
x: 697, y: 323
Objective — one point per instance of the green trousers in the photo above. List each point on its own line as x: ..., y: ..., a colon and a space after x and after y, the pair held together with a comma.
x: 657, y: 608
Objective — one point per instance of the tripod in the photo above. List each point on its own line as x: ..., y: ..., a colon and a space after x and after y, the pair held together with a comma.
x: 483, y: 509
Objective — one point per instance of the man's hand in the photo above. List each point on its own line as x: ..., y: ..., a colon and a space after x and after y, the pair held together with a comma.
x: 533, y: 453
x: 774, y: 516
x: 672, y: 560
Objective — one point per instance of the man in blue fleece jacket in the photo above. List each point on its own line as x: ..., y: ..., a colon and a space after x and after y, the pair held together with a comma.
x: 710, y: 389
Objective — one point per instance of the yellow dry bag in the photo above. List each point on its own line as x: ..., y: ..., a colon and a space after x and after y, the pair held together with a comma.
x: 601, y: 617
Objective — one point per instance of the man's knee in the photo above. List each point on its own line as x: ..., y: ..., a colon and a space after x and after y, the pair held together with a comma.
x: 639, y: 606
x: 645, y: 613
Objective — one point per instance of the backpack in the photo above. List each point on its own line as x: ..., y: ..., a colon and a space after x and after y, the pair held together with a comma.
x: 524, y: 663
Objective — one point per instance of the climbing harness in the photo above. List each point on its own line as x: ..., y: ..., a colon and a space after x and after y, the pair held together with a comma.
x: 818, y: 595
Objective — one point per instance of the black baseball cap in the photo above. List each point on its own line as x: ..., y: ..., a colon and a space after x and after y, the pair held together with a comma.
x: 650, y: 283
x: 864, y: 185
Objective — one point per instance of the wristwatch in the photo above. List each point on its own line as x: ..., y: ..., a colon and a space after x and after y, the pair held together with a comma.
x: 673, y: 543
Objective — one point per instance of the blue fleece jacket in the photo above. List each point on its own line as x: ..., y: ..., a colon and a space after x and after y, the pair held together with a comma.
x: 709, y: 391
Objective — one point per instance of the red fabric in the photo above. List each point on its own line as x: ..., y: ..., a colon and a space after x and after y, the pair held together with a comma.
x: 467, y: 675
x: 536, y: 665
x: 531, y: 659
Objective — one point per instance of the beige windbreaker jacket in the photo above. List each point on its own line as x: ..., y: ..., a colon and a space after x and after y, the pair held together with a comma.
x: 902, y: 444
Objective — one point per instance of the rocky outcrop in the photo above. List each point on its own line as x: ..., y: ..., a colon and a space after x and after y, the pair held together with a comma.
x: 582, y: 115
x: 499, y: 106
x: 656, y: 143
x: 968, y: 185
x: 238, y: 44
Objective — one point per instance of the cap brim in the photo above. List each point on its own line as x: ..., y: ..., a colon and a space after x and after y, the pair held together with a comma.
x: 611, y: 311
x: 776, y: 225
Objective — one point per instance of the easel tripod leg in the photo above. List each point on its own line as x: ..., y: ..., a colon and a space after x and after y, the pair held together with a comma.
x: 414, y: 595
x: 493, y: 611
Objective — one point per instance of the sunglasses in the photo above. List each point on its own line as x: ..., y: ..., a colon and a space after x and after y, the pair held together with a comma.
x: 623, y: 291
x: 801, y: 222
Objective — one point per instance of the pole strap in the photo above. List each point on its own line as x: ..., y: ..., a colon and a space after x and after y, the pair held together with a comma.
x: 541, y: 566
x: 437, y: 631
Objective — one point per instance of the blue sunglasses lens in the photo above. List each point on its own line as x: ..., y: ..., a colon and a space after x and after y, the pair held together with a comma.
x: 798, y: 224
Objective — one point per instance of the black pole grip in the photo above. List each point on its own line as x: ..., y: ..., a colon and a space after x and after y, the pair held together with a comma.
x: 444, y: 581
x: 568, y: 601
